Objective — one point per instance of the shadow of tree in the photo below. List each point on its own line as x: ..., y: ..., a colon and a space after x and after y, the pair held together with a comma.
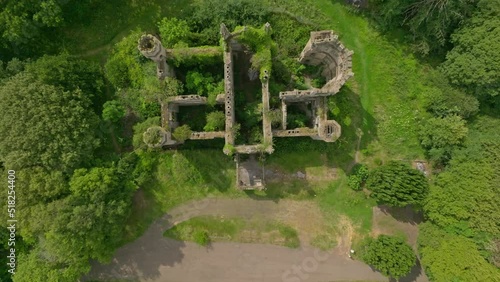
x: 407, y: 214
x: 143, y: 257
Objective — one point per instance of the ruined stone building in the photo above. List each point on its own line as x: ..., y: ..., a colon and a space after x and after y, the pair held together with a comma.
x: 323, y: 48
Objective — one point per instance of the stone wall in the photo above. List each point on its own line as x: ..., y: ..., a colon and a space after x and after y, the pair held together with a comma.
x: 325, y: 48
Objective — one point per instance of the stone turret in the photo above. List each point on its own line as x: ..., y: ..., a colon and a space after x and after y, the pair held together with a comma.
x: 152, y: 49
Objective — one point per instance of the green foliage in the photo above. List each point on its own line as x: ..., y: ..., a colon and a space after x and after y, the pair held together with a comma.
x: 429, y: 22
x: 205, y: 229
x: 39, y: 188
x: 91, y: 219
x: 113, y: 111
x: 358, y: 177
x: 465, y: 193
x: 173, y: 31
x: 398, y: 185
x: 153, y: 136
x: 207, y: 15
x: 443, y: 100
x: 44, y: 125
x: 86, y: 224
x: 201, y: 237
x: 204, y: 84
x: 124, y: 67
x: 261, y: 44
x: 182, y: 133
x: 69, y: 73
x: 390, y: 255
x: 35, y: 266
x: 276, y: 117
x: 447, y: 257
x: 215, y: 121
x: 140, y: 128
x: 23, y: 23
x: 440, y: 135
x: 195, y: 56
x: 473, y: 62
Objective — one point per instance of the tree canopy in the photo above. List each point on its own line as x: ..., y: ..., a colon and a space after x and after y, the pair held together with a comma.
x: 44, y: 125
x: 397, y: 184
x: 112, y: 111
x: 173, y: 32
x: 474, y: 61
x: 390, y: 255
x: 182, y: 133
x: 215, y: 121
x: 448, y: 257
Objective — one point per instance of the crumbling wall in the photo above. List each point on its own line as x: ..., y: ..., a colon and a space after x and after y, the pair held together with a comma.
x: 325, y: 48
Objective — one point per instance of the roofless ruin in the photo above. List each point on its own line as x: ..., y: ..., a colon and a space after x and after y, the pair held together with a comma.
x: 323, y: 49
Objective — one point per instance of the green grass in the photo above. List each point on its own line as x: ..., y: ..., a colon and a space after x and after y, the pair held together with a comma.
x: 177, y: 178
x: 339, y: 199
x: 109, y: 21
x: 219, y: 229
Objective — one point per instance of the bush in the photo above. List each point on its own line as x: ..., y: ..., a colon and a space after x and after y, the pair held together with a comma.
x: 139, y: 130
x: 215, y: 121
x: 392, y: 256
x: 173, y: 31
x: 358, y: 177
x: 398, y: 185
x: 112, y: 111
x: 182, y: 133
x: 201, y: 237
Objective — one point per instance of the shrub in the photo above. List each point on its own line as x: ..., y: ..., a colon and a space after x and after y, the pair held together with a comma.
x: 397, y: 184
x: 201, y: 237
x: 215, y: 121
x: 112, y: 111
x: 173, y: 31
x: 182, y: 133
x: 392, y: 256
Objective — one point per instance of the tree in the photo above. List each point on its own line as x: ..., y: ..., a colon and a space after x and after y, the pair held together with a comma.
x: 124, y: 67
x: 140, y: 128
x: 447, y: 257
x: 113, y: 111
x: 182, y: 133
x: 473, y: 63
x: 90, y: 221
x: 39, y: 189
x: 465, y: 193
x: 430, y: 22
x: 160, y: 90
x: 215, y: 121
x: 440, y: 135
x: 173, y: 32
x: 390, y: 255
x: 21, y: 22
x: 44, y: 125
x: 39, y: 266
x: 397, y: 185
x: 206, y: 16
x: 441, y: 99
x: 153, y: 136
x: 69, y: 73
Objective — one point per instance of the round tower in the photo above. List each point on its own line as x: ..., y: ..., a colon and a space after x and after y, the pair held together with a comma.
x: 151, y: 48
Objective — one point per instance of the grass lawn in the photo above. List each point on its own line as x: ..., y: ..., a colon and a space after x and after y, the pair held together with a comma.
x: 206, y: 229
x: 179, y: 177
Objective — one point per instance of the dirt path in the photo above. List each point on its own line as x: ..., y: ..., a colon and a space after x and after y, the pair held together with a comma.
x: 155, y: 258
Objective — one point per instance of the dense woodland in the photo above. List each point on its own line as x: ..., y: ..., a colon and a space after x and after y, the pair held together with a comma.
x: 73, y: 114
